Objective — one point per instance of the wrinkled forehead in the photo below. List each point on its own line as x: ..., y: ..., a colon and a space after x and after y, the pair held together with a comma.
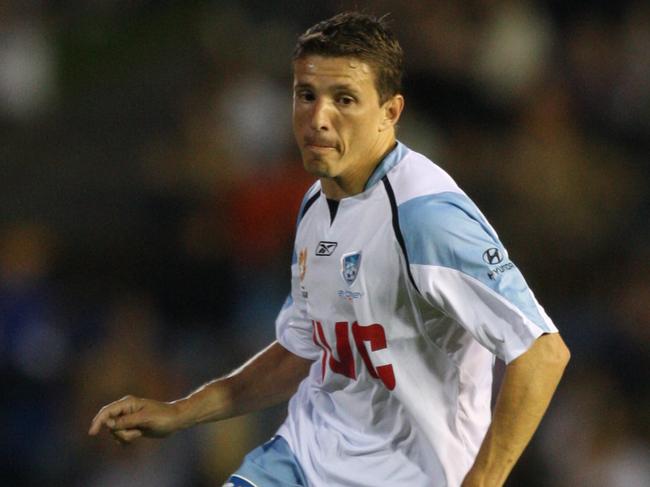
x: 324, y: 67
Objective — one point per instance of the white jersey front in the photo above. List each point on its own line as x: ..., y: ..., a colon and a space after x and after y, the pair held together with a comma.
x: 402, y: 301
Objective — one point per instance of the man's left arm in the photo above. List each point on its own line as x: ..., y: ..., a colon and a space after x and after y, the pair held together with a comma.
x: 528, y: 386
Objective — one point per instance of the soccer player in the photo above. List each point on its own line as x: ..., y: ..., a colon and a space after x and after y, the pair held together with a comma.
x: 401, y: 296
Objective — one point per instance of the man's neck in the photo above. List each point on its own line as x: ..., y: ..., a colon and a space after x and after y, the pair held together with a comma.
x: 353, y: 183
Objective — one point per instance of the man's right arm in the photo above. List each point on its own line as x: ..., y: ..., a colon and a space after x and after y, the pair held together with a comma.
x: 270, y: 377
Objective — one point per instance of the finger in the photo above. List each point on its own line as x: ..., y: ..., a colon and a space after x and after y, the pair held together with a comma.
x: 126, y: 436
x: 102, y: 418
x: 106, y: 415
x: 128, y: 421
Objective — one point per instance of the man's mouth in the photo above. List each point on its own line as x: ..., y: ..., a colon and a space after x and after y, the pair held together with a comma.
x: 318, y: 147
x: 317, y: 144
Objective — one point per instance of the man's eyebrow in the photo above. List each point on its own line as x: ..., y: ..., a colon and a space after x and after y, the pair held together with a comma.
x: 302, y: 86
x: 336, y: 87
x: 344, y: 87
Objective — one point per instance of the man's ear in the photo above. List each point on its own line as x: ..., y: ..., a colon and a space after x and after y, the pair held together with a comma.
x: 392, y: 110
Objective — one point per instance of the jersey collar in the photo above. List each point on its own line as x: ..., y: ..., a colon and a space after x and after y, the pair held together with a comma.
x: 389, y: 162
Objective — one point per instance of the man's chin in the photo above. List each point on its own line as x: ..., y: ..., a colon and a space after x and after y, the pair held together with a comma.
x: 317, y: 167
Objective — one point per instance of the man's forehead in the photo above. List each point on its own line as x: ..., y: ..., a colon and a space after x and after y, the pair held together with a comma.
x: 330, y: 66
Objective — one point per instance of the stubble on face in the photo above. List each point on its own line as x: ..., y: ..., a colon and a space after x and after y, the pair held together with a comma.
x: 336, y: 111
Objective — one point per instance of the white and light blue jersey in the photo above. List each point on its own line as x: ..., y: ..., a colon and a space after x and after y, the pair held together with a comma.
x: 402, y: 300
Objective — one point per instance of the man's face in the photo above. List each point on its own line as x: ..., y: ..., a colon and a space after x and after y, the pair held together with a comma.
x: 338, y: 122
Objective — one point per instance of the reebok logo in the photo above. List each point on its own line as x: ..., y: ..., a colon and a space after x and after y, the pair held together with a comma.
x: 325, y: 248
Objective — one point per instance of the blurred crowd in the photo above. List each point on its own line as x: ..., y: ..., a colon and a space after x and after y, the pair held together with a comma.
x: 149, y: 187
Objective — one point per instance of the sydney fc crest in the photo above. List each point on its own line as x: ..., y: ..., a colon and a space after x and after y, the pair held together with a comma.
x: 350, y: 264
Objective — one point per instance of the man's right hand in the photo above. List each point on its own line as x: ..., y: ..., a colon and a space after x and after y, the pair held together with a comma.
x: 131, y: 417
x: 267, y: 379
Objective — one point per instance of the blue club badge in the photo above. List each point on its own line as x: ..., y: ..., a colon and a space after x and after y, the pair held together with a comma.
x: 350, y: 264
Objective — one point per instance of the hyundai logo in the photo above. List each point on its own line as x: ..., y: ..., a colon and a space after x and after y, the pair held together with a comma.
x: 492, y: 256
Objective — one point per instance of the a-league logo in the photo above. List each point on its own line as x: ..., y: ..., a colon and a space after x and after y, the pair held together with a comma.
x: 302, y: 264
x: 350, y: 267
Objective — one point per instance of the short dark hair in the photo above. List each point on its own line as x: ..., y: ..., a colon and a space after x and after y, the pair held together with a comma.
x: 362, y: 36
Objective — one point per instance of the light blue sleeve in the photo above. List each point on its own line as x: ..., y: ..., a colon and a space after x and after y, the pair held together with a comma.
x: 475, y: 281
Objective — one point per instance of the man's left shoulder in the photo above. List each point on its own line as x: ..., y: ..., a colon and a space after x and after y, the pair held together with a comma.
x: 417, y: 175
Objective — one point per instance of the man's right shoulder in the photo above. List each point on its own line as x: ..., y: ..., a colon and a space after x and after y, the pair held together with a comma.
x: 309, y: 199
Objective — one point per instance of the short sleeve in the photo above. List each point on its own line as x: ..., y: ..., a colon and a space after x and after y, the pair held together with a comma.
x: 459, y: 266
x: 292, y: 327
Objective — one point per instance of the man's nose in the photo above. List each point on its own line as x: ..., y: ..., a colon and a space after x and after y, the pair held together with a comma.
x: 320, y: 116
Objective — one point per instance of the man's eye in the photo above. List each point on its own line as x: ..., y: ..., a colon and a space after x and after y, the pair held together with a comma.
x: 346, y: 100
x: 305, y: 96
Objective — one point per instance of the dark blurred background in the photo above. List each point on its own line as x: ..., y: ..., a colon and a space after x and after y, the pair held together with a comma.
x: 149, y: 186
